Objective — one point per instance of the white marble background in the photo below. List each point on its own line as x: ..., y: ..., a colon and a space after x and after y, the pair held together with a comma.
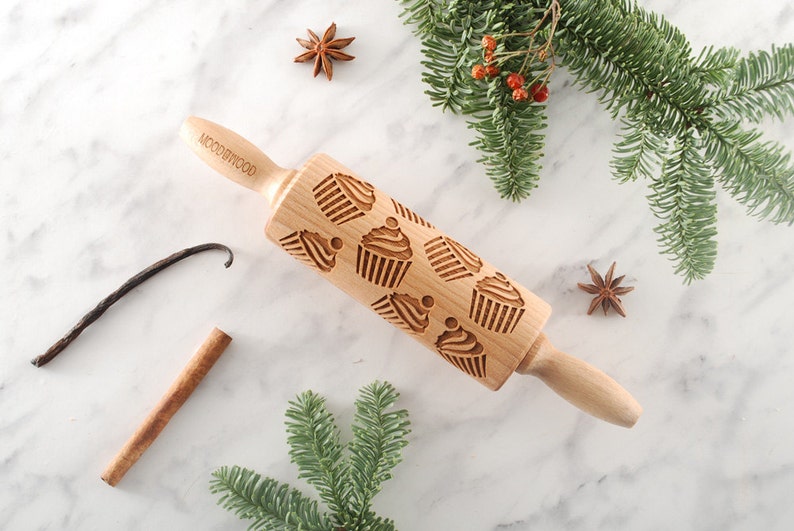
x: 95, y: 185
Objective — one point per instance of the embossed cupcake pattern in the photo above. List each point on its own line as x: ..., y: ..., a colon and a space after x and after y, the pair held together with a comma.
x: 343, y: 198
x: 405, y: 312
x: 384, y: 255
x: 450, y: 260
x: 496, y: 304
x: 461, y: 348
x: 409, y: 214
x: 312, y: 249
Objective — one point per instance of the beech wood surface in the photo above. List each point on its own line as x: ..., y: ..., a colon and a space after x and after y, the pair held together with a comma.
x: 421, y: 280
x: 581, y: 384
x: 235, y: 157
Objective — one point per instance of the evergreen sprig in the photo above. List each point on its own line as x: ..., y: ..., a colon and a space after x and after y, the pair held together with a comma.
x: 346, y: 481
x: 684, y: 116
x: 509, y: 135
x: 269, y: 503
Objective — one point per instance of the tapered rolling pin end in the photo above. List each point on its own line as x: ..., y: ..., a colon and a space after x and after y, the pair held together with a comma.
x: 235, y: 158
x: 581, y: 384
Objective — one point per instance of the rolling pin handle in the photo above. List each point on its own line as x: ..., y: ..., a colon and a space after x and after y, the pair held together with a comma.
x: 235, y: 158
x: 581, y: 384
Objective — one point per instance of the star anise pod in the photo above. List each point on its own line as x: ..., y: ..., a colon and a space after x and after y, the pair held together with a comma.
x: 606, y: 291
x: 323, y: 50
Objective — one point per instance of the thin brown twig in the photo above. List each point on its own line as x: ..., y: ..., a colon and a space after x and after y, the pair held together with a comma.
x: 125, y: 288
x: 531, y: 52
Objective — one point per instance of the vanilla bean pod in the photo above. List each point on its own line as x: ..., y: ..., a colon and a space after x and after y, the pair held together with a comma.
x: 125, y: 288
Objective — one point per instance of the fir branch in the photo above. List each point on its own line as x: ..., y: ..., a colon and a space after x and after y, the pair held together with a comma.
x: 447, y: 89
x: 637, y: 68
x: 716, y: 67
x: 644, y: 72
x: 758, y: 174
x: 509, y: 133
x: 377, y: 524
x: 683, y: 196
x: 316, y: 449
x: 346, y: 485
x: 763, y: 85
x: 510, y: 142
x: 270, y: 504
x: 422, y: 14
x: 638, y: 153
x: 448, y: 40
x: 507, y: 136
x: 378, y: 439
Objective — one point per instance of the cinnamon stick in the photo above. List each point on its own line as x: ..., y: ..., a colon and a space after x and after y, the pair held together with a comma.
x: 187, y: 381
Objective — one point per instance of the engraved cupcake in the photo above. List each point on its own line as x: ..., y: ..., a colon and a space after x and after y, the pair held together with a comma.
x: 405, y: 312
x: 409, y: 214
x: 450, y: 260
x: 496, y: 304
x: 384, y: 255
x: 342, y: 197
x: 312, y: 249
x: 461, y: 348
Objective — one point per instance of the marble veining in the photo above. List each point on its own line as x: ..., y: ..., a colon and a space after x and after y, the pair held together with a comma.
x: 95, y: 184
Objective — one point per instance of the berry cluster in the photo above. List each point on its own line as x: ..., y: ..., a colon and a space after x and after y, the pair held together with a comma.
x: 539, y: 91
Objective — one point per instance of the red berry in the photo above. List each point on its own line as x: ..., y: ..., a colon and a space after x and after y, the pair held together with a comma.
x: 540, y: 93
x: 489, y: 43
x: 488, y: 56
x: 478, y: 71
x: 520, y: 94
x: 514, y: 81
x: 492, y: 70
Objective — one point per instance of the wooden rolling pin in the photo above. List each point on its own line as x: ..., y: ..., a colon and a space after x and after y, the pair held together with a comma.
x: 413, y: 275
